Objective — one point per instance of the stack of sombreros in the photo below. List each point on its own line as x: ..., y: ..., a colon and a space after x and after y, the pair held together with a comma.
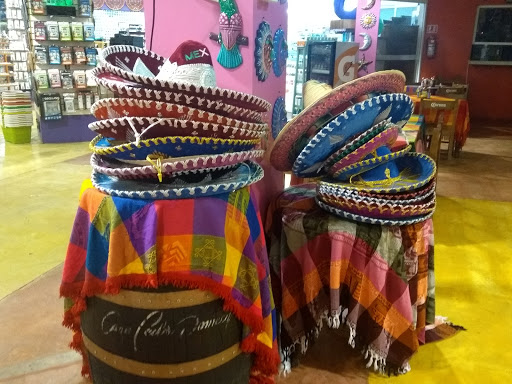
x: 170, y: 132
x: 344, y: 139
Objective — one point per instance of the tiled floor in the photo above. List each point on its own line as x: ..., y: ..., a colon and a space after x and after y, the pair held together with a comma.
x: 39, y: 190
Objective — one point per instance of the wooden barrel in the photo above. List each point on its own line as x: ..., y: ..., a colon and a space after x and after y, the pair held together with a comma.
x: 163, y: 336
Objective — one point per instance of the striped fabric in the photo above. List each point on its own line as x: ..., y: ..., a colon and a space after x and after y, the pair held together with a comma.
x: 378, y: 280
x: 211, y: 243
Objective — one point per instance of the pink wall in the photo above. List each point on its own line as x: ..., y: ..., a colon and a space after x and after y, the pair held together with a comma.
x: 371, y: 53
x: 180, y: 20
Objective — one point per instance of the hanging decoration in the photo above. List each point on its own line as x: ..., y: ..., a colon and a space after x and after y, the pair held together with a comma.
x: 345, y: 9
x: 280, y: 52
x: 135, y: 5
x: 279, y: 119
x: 367, y: 41
x: 368, y: 20
x: 115, y: 5
x: 230, y: 35
x: 263, y: 52
x: 98, y: 3
x: 369, y: 4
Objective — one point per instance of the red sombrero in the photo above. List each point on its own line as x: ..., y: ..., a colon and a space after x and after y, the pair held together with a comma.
x: 323, y: 108
x: 120, y: 107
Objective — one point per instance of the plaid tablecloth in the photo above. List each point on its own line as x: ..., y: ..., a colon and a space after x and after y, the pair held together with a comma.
x: 211, y: 243
x: 378, y: 280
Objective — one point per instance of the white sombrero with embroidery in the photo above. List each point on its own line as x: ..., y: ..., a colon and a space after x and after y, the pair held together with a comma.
x: 188, y: 71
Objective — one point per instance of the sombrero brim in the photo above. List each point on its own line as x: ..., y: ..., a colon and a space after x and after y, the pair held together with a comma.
x: 122, y: 89
x: 108, y: 57
x: 180, y: 187
x: 360, y: 167
x: 397, y: 108
x: 128, y: 107
x: 404, y: 198
x: 126, y: 128
x: 421, y: 169
x: 171, y: 146
x: 282, y: 157
x: 381, y: 209
x: 371, y: 220
x: 139, y: 169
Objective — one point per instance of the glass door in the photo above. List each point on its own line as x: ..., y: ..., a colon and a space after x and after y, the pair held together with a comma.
x: 401, y: 32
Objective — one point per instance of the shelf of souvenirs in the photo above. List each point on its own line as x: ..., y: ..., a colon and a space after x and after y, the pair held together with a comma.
x: 39, y: 17
x: 64, y: 90
x: 66, y: 42
x: 72, y: 67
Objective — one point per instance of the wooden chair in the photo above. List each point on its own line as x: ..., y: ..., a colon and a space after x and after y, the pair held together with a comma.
x: 441, y: 108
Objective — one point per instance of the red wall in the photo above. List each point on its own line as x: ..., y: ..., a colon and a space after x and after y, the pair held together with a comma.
x: 456, y: 21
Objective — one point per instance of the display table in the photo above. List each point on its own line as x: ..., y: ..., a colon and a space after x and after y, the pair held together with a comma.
x: 211, y: 243
x: 460, y: 118
x: 378, y: 280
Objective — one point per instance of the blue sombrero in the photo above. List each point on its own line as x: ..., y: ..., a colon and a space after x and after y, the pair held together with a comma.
x: 170, y: 146
x: 396, y: 107
x: 380, y: 156
x: 408, y: 172
x: 181, y: 187
x: 372, y: 220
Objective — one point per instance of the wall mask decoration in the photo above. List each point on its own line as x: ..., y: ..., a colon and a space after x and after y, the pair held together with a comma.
x: 368, y: 20
x: 98, y: 3
x: 135, y: 5
x: 367, y: 41
x: 263, y: 52
x: 280, y: 52
x: 279, y: 118
x: 230, y: 35
x: 115, y: 5
x: 369, y: 4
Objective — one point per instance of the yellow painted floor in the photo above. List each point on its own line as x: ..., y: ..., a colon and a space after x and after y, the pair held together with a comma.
x: 39, y: 186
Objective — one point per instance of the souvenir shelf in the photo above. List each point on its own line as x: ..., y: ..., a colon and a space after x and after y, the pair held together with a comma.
x: 14, y: 55
x: 63, y: 50
x: 298, y: 67
x: 63, y: 46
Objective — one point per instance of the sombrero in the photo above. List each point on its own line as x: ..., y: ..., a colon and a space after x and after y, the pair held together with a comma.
x: 396, y: 108
x: 122, y: 89
x: 405, y: 173
x: 157, y: 167
x: 380, y: 209
x: 336, y: 190
x: 371, y: 220
x: 170, y: 146
x: 111, y: 108
x: 327, y: 105
x: 132, y: 128
x: 380, y: 157
x: 183, y: 186
x: 188, y: 71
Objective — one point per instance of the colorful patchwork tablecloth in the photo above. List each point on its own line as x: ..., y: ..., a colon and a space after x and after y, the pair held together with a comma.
x: 211, y: 243
x: 378, y: 280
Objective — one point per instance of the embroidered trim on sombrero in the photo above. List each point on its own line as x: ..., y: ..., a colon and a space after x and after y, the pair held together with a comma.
x: 146, y: 168
x: 242, y: 99
x: 129, y: 128
x: 388, y: 186
x: 370, y: 220
x: 334, y: 190
x: 365, y: 165
x: 152, y: 146
x: 385, y: 81
x: 396, y: 107
x: 216, y: 106
x: 374, y: 209
x: 127, y: 107
x: 248, y: 173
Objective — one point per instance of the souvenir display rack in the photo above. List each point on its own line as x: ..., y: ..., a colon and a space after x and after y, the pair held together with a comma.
x: 14, y: 48
x: 63, y: 51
